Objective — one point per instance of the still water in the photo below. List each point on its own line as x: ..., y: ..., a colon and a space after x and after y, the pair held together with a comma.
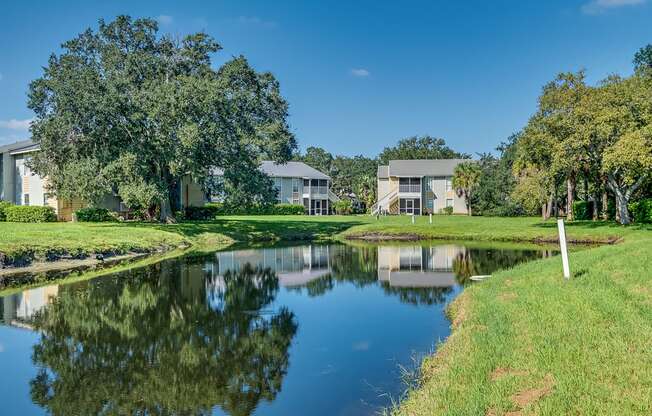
x: 315, y: 329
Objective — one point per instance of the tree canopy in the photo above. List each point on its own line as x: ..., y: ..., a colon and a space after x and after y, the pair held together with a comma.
x: 419, y: 147
x: 125, y: 111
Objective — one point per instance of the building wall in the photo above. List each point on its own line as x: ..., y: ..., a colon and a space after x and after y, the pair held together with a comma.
x: 284, y: 185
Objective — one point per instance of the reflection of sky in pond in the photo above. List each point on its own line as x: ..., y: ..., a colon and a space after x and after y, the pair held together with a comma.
x: 276, y: 331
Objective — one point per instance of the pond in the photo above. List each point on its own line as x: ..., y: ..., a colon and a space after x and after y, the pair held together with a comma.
x: 313, y: 329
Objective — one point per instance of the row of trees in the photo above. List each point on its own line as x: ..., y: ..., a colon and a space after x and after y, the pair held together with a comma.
x: 595, y: 141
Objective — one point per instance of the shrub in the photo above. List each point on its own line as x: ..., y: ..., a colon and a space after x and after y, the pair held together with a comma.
x: 446, y: 210
x: 213, y: 210
x: 287, y: 209
x: 94, y: 215
x: 642, y: 210
x: 4, y: 205
x: 27, y: 213
x: 343, y: 207
x: 582, y: 210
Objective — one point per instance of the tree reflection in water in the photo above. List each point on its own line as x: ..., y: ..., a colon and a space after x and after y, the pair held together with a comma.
x: 167, y: 339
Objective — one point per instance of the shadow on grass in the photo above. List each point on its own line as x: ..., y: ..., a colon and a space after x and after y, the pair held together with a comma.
x: 258, y: 228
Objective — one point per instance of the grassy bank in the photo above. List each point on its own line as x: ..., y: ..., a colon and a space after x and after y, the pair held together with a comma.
x: 526, y: 342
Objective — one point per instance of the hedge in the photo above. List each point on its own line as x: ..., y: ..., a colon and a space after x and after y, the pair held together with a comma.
x: 27, y: 213
x: 94, y: 215
x: 211, y: 211
x: 642, y: 210
x: 582, y: 210
x: 3, y: 206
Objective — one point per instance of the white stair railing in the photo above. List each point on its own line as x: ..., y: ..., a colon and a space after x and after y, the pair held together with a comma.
x: 385, y: 200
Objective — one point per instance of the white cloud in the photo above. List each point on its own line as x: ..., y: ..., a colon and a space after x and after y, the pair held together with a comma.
x: 361, y: 346
x: 360, y: 72
x: 14, y: 124
x: 165, y: 19
x: 601, y: 6
x: 255, y: 21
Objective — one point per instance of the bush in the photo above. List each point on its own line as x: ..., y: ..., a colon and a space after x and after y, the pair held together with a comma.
x: 582, y: 210
x: 287, y: 209
x: 446, y: 210
x: 4, y: 205
x: 343, y: 207
x: 27, y: 213
x: 642, y: 210
x: 211, y: 211
x: 94, y: 215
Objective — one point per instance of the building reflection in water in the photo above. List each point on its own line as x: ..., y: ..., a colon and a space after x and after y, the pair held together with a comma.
x: 416, y: 266
x: 17, y: 309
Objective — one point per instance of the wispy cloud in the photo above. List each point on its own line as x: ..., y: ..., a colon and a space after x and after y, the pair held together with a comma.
x: 601, y: 6
x: 360, y: 72
x: 255, y: 21
x: 361, y: 346
x: 14, y: 124
x: 165, y: 19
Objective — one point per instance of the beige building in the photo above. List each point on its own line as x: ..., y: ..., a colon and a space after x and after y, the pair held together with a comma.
x: 418, y: 187
x: 296, y: 183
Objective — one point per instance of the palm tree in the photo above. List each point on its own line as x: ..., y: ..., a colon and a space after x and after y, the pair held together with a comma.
x: 465, y: 179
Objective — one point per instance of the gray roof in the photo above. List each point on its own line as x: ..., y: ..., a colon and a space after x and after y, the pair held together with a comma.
x: 422, y: 167
x: 22, y: 145
x: 285, y: 170
x: 291, y: 170
x: 383, y: 171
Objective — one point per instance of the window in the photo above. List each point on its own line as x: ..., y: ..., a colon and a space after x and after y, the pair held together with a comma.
x: 449, y: 203
x: 449, y: 184
x: 45, y: 199
x: 26, y: 199
x: 296, y: 184
x: 278, y: 185
x: 412, y: 185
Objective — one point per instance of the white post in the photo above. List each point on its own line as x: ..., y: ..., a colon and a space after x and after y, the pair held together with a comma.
x: 431, y: 218
x: 412, y: 218
x: 564, y: 249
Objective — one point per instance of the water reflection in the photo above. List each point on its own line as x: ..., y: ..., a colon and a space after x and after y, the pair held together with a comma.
x: 162, y: 342
x: 209, y: 334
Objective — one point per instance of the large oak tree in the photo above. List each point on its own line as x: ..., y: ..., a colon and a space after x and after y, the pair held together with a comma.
x: 124, y: 110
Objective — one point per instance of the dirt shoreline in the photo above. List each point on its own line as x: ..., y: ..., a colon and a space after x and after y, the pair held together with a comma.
x: 375, y: 236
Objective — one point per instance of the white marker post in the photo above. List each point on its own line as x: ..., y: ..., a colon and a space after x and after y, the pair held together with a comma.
x: 564, y: 249
x: 412, y: 218
x: 431, y: 218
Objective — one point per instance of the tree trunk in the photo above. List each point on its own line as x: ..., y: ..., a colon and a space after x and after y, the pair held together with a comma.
x: 166, y: 212
x: 596, y: 211
x: 605, y: 200
x: 544, y: 212
x: 622, y: 215
x: 570, y: 186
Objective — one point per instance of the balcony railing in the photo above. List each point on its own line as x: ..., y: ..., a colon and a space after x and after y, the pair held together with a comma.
x: 409, y: 188
x: 319, y: 190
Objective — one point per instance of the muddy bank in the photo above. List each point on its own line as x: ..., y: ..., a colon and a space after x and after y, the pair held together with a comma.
x: 376, y: 236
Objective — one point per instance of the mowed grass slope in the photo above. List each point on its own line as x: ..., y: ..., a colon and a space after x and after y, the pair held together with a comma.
x: 526, y: 342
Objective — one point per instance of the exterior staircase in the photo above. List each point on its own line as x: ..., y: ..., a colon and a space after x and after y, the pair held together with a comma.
x: 386, y: 200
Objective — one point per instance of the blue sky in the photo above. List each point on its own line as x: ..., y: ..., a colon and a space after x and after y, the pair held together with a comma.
x: 359, y: 75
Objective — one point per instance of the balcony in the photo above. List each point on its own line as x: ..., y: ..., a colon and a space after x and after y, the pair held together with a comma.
x: 409, y: 188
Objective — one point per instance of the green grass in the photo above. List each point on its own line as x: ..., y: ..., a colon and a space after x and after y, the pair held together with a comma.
x: 527, y: 341
x: 487, y: 229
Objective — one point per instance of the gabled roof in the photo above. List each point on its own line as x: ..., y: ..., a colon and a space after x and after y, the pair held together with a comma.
x: 285, y: 170
x: 291, y: 170
x: 383, y: 172
x: 19, y: 147
x: 420, y: 167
